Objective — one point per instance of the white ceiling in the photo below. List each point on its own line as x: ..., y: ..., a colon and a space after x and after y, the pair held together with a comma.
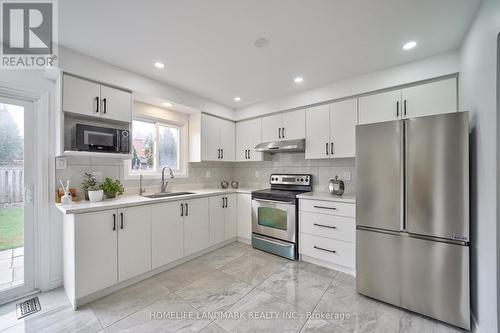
x: 208, y: 46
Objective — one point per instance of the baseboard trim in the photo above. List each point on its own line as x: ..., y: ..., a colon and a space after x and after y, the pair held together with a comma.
x: 244, y: 240
x: 54, y: 284
x: 327, y: 264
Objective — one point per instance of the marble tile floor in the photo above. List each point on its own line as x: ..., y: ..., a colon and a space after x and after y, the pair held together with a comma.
x: 232, y: 289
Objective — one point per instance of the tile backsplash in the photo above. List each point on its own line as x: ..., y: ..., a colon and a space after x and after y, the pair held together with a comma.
x: 210, y: 174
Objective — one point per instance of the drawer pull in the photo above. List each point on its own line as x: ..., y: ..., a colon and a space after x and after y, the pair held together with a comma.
x: 322, y: 249
x: 325, y: 226
x: 324, y: 207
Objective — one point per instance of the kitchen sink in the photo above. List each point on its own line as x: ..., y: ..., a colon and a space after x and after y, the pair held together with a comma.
x: 166, y: 195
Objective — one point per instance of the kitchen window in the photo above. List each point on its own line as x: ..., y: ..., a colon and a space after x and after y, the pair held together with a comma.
x: 157, y: 143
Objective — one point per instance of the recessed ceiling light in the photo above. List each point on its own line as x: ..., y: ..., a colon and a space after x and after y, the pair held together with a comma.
x: 409, y: 45
x: 298, y: 79
x: 261, y: 42
x: 167, y: 104
x: 237, y: 99
x: 159, y: 65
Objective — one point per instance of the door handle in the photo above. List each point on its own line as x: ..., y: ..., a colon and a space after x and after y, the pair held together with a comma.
x: 182, y: 209
x: 327, y: 148
x: 187, y: 211
x: 325, y: 226
x: 222, y: 153
x: 331, y: 148
x: 279, y: 133
x: 246, y: 154
x: 114, y: 222
x: 104, y: 109
x: 275, y: 201
x: 222, y: 202
x: 97, y: 104
x: 283, y: 132
x: 218, y: 153
x: 404, y: 107
x: 323, y: 249
x: 397, y: 109
x: 121, y: 221
x: 324, y: 207
x: 249, y: 157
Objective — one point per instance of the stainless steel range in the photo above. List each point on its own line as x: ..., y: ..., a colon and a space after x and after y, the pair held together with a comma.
x: 275, y: 214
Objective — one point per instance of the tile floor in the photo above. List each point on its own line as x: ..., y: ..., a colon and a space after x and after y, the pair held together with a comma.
x: 11, y: 268
x: 232, y: 289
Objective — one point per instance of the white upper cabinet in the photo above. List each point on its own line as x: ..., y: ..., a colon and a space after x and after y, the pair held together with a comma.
x: 343, y: 120
x: 430, y: 98
x: 81, y: 96
x: 167, y: 234
x: 380, y: 107
x: 284, y: 126
x: 93, y: 99
x: 331, y: 130
x: 248, y: 135
x: 134, y: 241
x: 217, y: 139
x: 116, y: 104
x: 318, y: 131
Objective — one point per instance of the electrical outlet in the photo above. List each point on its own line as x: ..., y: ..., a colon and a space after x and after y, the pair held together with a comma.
x: 60, y: 163
x: 207, y: 174
x: 346, y: 175
x: 257, y: 174
x: 98, y: 176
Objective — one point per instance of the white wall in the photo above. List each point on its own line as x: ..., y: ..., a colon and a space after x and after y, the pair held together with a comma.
x: 478, y: 95
x: 444, y: 64
x: 85, y: 66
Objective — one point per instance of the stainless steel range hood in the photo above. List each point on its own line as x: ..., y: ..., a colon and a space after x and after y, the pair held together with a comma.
x: 282, y: 146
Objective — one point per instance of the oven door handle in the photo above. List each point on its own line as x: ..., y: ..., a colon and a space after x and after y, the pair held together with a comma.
x: 275, y: 201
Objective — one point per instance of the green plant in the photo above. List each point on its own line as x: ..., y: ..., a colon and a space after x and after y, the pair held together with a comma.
x: 89, y: 183
x: 112, y: 187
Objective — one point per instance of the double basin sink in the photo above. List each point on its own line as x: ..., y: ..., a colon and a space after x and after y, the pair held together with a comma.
x: 166, y: 194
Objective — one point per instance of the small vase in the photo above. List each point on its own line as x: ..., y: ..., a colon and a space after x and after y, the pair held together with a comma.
x: 95, y: 196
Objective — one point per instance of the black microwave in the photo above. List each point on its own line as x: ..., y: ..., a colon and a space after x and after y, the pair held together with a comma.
x: 100, y: 139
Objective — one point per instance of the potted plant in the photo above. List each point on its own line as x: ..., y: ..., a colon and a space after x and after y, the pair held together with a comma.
x: 112, y: 187
x: 89, y: 183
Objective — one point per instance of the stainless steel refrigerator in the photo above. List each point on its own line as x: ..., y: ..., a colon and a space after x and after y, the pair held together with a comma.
x: 412, y: 215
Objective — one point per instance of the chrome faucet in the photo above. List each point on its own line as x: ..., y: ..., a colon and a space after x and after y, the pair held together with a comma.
x: 141, y: 189
x: 164, y: 183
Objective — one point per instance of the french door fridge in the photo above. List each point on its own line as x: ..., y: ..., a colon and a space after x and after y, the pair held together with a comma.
x: 412, y: 215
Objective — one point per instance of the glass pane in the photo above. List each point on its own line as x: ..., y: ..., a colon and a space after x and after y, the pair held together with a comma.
x: 11, y: 196
x: 143, y: 134
x: 168, y: 147
x: 272, y: 218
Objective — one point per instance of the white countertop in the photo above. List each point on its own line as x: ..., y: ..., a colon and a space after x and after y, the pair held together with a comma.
x: 136, y: 200
x: 326, y: 196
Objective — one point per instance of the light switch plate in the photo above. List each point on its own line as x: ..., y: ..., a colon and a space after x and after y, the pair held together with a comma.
x: 98, y: 176
x: 60, y: 163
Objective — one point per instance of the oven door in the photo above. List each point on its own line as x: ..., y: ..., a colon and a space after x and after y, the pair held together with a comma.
x: 274, y: 218
x: 94, y: 138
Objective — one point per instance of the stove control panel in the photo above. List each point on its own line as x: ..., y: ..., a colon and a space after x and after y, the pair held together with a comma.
x: 290, y: 179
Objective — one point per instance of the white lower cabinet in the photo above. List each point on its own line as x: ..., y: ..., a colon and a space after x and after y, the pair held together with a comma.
x: 167, y: 233
x: 327, y: 233
x: 196, y: 225
x: 245, y: 216
x: 223, y: 218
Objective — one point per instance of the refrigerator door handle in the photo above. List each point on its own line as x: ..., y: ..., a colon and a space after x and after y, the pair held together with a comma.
x: 404, y: 150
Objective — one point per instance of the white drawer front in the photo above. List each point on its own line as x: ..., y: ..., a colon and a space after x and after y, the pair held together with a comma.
x: 328, y: 207
x: 331, y: 226
x: 334, y: 251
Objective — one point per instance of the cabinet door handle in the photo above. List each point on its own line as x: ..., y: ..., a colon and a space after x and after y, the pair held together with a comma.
x: 279, y: 133
x: 324, y: 207
x: 331, y: 148
x: 404, y: 107
x: 121, y: 220
x: 218, y: 153
x: 187, y: 211
x: 222, y: 153
x: 97, y: 104
x: 397, y: 109
x: 323, y: 249
x: 225, y: 198
x: 325, y: 226
x: 114, y: 222
x: 222, y: 202
x: 327, y: 148
x: 283, y: 132
x: 182, y: 209
x: 249, y: 154
x: 105, y: 107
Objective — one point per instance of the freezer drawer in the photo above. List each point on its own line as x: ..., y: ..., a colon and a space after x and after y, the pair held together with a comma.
x: 427, y: 277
